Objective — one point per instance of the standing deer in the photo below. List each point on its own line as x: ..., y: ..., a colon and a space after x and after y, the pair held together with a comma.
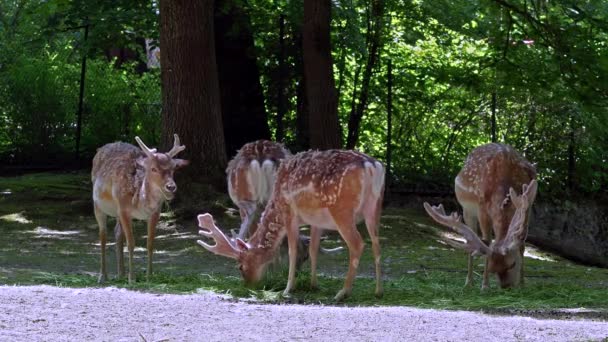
x: 128, y: 183
x: 331, y: 189
x: 485, y: 190
x: 251, y: 175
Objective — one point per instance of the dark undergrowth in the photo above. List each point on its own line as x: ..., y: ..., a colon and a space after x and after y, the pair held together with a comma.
x: 49, y: 236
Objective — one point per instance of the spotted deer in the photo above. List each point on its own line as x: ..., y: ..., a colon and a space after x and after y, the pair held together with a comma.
x: 331, y: 189
x: 131, y: 183
x: 485, y: 188
x: 251, y: 174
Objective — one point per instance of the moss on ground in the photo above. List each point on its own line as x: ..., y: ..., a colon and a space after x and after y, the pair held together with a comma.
x: 49, y: 236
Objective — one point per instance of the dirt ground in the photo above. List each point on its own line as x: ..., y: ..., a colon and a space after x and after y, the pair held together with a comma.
x: 36, y: 313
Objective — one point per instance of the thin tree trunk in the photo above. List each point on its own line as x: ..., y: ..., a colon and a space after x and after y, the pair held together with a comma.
x: 302, y: 136
x: 493, y: 120
x: 190, y: 89
x: 320, y: 86
x: 571, y: 181
x: 389, y: 120
x: 374, y: 37
x: 83, y: 71
x: 281, y: 106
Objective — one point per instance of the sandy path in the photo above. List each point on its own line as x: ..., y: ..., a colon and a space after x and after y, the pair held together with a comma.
x: 109, y: 314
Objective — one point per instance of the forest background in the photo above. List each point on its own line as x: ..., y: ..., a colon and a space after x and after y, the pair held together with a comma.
x: 415, y: 83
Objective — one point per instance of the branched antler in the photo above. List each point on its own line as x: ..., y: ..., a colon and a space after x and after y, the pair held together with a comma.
x: 473, y: 244
x: 223, y: 246
x: 177, y: 148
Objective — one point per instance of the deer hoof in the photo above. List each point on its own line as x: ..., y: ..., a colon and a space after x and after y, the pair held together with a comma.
x: 344, y: 293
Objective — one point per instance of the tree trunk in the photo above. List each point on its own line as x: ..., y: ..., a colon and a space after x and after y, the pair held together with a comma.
x: 374, y: 36
x: 389, y: 120
x: 281, y: 105
x: 242, y: 98
x: 325, y: 130
x: 571, y: 180
x: 302, y: 129
x: 83, y: 71
x: 190, y: 89
x: 493, y: 120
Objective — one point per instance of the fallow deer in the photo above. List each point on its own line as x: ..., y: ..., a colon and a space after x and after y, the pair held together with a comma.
x: 251, y: 174
x: 485, y: 188
x: 131, y: 183
x: 331, y: 189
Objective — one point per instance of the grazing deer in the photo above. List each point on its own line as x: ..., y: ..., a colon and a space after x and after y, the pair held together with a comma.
x: 129, y: 183
x: 485, y: 190
x: 331, y: 189
x: 251, y: 175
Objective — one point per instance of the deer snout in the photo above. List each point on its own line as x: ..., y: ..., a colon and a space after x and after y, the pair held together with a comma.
x: 171, y: 187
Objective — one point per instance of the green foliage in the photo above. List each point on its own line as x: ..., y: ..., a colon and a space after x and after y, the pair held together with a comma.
x: 545, y: 61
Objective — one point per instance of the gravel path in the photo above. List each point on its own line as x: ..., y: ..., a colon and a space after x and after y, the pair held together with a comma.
x: 109, y: 314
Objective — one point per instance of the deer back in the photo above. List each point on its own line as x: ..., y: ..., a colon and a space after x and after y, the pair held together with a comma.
x: 483, y: 184
x: 315, y: 186
x: 251, y: 173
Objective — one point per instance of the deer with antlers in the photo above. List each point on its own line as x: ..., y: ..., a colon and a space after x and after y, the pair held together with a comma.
x: 331, y: 189
x: 131, y: 183
x: 485, y: 188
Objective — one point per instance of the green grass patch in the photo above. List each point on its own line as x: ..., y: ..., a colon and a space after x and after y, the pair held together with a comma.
x: 50, y: 237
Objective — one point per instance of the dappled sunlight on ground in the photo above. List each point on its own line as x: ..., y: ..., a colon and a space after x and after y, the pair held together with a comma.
x: 45, y: 232
x: 16, y: 217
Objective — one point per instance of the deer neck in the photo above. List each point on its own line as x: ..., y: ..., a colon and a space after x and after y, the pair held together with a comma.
x: 272, y: 227
x: 147, y: 198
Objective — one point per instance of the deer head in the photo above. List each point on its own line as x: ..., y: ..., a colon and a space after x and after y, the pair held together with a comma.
x: 159, y: 167
x: 252, y: 262
x: 504, y: 254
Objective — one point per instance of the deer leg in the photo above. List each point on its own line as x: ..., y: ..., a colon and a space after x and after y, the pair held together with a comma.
x: 355, y: 248
x: 152, y: 221
x: 120, y: 243
x: 102, y: 222
x: 521, y: 270
x: 125, y: 223
x: 313, y: 252
x: 372, y: 221
x: 470, y: 220
x: 485, y: 225
x: 293, y: 234
x: 247, y: 210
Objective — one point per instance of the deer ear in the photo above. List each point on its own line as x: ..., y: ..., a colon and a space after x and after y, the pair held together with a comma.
x: 179, y: 163
x: 242, y: 245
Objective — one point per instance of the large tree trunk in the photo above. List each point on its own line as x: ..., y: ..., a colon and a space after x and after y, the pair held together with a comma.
x: 190, y: 90
x: 325, y: 130
x: 242, y: 98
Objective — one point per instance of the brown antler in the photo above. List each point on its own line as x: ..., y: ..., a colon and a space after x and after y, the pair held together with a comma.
x: 223, y: 245
x: 148, y: 151
x: 473, y: 244
x: 177, y: 148
x: 518, y: 229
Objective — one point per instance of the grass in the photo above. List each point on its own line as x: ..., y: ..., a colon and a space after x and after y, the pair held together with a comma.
x: 49, y: 236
